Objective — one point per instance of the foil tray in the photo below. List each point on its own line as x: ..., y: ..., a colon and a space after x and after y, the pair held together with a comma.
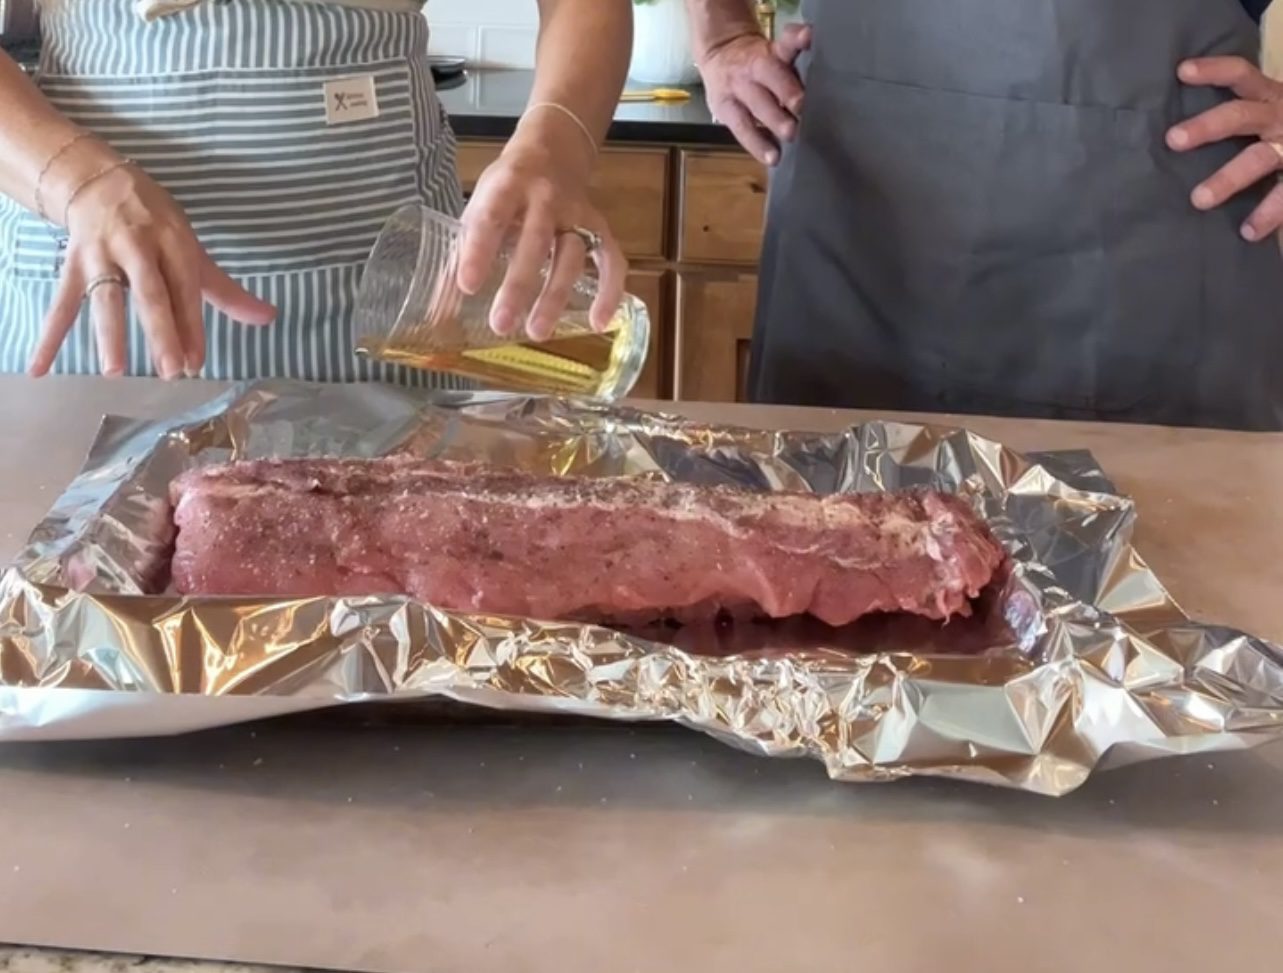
x: 1079, y: 658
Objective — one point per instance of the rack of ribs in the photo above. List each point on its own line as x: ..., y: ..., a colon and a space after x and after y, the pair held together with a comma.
x: 487, y: 540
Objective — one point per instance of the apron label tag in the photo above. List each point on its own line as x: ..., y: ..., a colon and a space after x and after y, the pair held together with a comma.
x: 351, y: 100
x: 61, y: 241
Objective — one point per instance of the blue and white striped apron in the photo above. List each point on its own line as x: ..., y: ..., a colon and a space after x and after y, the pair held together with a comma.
x: 224, y: 106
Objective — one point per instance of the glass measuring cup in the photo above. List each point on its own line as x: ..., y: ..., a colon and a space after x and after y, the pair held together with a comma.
x: 410, y: 311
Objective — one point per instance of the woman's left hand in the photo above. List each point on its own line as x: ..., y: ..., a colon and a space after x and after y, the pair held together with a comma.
x: 535, y: 194
x: 1258, y: 112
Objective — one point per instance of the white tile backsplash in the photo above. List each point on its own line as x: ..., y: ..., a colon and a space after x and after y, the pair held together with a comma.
x: 456, y: 39
x: 496, y: 33
x: 499, y: 47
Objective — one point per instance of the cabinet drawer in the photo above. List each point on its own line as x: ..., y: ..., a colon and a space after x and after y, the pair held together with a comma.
x: 723, y: 208
x: 629, y: 187
x: 653, y: 287
x: 713, y: 336
x: 472, y: 159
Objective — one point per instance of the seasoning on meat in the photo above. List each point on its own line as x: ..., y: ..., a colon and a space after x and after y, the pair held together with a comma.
x: 489, y: 540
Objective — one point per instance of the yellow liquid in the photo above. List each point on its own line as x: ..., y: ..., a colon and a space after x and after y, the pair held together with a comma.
x: 592, y: 365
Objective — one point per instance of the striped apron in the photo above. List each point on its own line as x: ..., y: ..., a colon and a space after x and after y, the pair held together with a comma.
x: 224, y: 106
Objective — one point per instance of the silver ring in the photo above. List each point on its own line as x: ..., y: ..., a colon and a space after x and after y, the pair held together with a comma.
x: 592, y: 241
x: 1277, y: 147
x: 102, y: 281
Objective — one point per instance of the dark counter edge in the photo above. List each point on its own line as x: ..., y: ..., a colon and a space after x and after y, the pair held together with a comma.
x: 470, y: 126
x: 485, y: 103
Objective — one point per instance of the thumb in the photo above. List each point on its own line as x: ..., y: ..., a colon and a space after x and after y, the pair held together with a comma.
x: 793, y: 40
x: 231, y: 298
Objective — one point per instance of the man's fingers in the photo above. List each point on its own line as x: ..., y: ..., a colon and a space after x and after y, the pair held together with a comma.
x: 1267, y: 219
x: 1242, y: 172
x: 793, y: 40
x: 59, y: 320
x: 754, y: 140
x: 1256, y: 113
x: 567, y: 267
x: 769, y: 113
x: 781, y: 81
x: 1233, y: 119
x: 1238, y: 74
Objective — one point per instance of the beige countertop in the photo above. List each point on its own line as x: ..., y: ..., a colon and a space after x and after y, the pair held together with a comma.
x: 21, y: 960
x: 609, y: 848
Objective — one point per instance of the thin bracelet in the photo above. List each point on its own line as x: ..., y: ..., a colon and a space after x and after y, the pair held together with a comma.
x: 49, y: 164
x: 556, y: 106
x: 90, y: 180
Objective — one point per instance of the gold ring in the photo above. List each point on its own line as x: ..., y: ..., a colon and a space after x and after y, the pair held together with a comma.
x: 1277, y: 147
x: 102, y: 281
x: 592, y: 241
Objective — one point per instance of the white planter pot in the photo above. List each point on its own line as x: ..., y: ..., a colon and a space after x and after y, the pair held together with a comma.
x: 662, y: 44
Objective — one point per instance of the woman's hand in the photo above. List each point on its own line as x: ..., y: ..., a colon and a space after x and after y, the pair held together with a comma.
x: 123, y: 225
x: 1258, y: 112
x: 534, y: 197
x: 754, y: 89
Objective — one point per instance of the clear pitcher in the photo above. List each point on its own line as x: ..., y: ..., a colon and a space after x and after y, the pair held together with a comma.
x: 410, y: 311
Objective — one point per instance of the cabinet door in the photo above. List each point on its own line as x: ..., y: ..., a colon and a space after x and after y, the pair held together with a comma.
x: 714, y: 333
x: 652, y: 288
x: 629, y: 187
x: 723, y: 208
x: 471, y: 159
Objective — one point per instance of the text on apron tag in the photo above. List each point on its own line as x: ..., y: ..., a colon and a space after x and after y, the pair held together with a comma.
x: 351, y: 100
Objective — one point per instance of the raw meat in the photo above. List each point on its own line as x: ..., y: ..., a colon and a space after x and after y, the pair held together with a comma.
x: 496, y: 541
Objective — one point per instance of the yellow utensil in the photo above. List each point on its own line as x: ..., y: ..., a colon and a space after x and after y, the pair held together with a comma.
x: 656, y: 94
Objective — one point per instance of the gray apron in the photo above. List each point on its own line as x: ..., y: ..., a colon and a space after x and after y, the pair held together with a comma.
x: 981, y: 215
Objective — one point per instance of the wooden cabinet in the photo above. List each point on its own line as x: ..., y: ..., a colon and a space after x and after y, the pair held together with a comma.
x: 630, y: 187
x: 714, y: 333
x: 472, y: 159
x: 690, y: 221
x: 652, y: 288
x: 723, y: 208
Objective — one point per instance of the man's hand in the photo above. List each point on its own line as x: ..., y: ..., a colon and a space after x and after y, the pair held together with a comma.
x: 1257, y: 112
x: 754, y: 89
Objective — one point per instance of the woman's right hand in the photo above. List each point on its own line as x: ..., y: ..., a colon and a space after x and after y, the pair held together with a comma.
x: 125, y: 225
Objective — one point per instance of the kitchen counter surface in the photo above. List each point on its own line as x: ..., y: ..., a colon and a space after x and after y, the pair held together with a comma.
x: 569, y: 849
x: 488, y: 103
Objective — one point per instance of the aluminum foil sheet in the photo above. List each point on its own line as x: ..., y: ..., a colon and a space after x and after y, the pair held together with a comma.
x: 1078, y: 659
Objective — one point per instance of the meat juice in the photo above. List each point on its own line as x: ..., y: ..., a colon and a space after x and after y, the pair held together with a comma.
x: 571, y: 362
x: 410, y: 310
